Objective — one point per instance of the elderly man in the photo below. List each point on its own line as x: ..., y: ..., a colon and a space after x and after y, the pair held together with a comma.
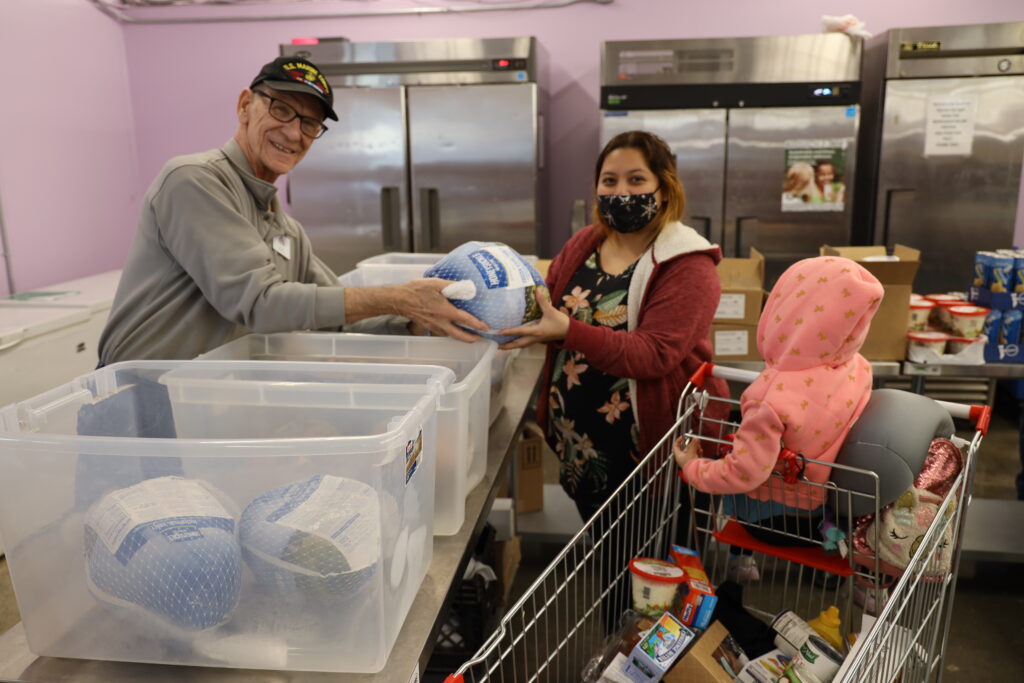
x: 214, y: 255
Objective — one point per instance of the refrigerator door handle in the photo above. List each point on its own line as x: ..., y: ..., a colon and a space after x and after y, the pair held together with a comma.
x: 739, y: 232
x: 888, y: 211
x: 391, y: 218
x: 430, y: 218
x: 707, y: 225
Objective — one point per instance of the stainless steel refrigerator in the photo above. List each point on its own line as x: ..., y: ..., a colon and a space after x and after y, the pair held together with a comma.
x: 944, y: 137
x: 439, y: 142
x: 742, y: 115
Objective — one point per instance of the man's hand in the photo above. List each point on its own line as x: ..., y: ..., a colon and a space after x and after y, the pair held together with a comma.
x: 422, y: 302
x: 552, y: 326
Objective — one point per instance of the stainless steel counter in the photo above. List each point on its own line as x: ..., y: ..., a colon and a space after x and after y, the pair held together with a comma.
x: 419, y: 632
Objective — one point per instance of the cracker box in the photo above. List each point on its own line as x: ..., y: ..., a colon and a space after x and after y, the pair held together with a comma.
x: 699, y: 599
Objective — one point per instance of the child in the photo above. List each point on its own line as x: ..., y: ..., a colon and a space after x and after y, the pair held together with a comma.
x: 814, y: 386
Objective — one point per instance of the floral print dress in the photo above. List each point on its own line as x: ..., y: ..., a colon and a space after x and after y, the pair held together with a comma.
x: 590, y: 413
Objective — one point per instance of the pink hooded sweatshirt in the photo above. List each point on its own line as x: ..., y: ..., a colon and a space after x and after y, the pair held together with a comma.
x: 814, y: 386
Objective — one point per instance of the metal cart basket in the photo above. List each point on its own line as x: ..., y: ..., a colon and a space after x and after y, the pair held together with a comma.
x: 553, y: 631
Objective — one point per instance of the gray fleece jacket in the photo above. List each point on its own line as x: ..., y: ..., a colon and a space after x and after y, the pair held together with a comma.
x: 214, y: 257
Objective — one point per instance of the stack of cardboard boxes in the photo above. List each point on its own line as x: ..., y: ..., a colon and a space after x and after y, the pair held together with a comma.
x: 734, y: 330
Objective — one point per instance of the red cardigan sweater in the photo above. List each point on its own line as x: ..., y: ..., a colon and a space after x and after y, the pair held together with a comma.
x: 668, y: 345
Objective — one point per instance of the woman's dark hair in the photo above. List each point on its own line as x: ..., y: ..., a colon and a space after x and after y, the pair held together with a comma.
x: 662, y: 163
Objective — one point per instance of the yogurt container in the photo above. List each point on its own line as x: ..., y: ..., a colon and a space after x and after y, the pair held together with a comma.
x: 920, y: 311
x: 927, y: 339
x: 957, y: 344
x: 939, y: 315
x: 655, y: 585
x: 968, y: 320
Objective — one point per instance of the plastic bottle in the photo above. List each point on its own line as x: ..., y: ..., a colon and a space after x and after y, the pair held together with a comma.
x: 827, y: 625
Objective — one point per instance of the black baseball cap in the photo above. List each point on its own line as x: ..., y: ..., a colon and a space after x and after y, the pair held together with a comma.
x: 296, y: 74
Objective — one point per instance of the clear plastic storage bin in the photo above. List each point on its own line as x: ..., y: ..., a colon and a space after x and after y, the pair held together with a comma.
x: 256, y: 515
x: 462, y: 416
x: 399, y: 273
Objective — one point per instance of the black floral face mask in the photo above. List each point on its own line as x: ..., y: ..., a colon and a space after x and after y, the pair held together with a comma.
x: 627, y: 212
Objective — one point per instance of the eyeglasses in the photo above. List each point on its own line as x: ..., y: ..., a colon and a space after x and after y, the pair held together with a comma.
x: 285, y: 113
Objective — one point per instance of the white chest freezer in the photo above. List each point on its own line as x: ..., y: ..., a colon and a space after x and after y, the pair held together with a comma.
x: 94, y: 292
x: 42, y: 348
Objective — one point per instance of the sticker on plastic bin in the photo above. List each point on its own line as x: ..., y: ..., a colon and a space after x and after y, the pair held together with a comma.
x: 413, y: 449
x: 501, y: 268
x: 181, y: 505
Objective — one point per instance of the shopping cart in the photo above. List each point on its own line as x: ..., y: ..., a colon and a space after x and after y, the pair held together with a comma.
x: 554, y: 630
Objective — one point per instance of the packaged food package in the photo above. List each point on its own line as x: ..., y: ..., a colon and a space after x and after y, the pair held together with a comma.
x: 315, y: 540
x: 698, y: 597
x: 166, y: 548
x: 494, y: 283
x: 655, y: 585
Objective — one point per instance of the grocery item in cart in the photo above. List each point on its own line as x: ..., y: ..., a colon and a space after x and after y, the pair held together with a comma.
x: 655, y: 585
x: 658, y: 650
x: 810, y: 652
x: 316, y: 539
x: 902, y: 525
x: 165, y: 548
x: 492, y: 282
x: 814, y: 386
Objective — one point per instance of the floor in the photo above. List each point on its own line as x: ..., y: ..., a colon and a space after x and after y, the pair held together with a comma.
x: 986, y: 638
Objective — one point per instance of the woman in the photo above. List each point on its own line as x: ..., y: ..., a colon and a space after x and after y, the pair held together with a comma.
x: 636, y: 293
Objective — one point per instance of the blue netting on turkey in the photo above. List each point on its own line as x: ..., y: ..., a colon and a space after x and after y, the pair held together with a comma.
x: 184, y: 569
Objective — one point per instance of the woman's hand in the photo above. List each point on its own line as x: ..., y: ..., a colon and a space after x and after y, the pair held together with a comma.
x: 685, y: 455
x: 552, y: 326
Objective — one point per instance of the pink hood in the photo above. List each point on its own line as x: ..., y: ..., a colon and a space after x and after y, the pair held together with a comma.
x: 814, y: 386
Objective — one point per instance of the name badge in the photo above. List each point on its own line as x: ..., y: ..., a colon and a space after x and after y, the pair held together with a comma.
x: 283, y: 246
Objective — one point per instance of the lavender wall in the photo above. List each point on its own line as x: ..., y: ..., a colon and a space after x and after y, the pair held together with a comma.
x: 184, y: 80
x: 68, y: 171
x: 102, y: 106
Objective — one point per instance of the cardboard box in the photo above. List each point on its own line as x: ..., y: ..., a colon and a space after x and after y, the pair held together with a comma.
x: 530, y: 471
x: 701, y: 663
x: 887, y: 339
x: 734, y: 342
x: 742, y: 289
x: 509, y: 554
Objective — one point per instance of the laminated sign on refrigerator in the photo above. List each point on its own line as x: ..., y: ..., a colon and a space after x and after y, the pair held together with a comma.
x: 439, y: 143
x: 763, y: 129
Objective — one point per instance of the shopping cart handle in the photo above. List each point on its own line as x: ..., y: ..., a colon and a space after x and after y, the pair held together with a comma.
x: 981, y: 416
x: 698, y: 378
x: 454, y: 678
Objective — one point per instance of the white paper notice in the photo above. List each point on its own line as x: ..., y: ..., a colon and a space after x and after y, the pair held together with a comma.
x: 949, y: 130
x: 731, y: 342
x: 731, y: 307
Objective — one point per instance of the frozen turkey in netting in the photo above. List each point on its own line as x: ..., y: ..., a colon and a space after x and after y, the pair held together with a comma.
x: 494, y: 283
x: 317, y: 539
x: 164, y: 547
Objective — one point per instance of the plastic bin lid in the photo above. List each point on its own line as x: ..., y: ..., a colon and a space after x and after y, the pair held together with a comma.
x: 393, y: 274
x: 18, y: 323
x: 95, y: 292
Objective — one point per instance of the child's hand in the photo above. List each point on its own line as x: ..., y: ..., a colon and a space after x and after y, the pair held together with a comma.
x: 685, y: 455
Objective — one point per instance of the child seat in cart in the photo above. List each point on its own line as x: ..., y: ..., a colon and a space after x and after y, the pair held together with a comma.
x: 558, y: 628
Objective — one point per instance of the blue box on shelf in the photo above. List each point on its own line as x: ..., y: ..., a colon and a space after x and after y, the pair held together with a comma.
x: 1002, y: 301
x: 1004, y: 353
